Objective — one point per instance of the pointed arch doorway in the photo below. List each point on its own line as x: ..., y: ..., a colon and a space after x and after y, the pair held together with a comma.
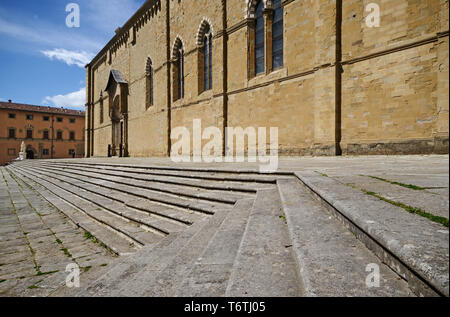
x: 117, y: 90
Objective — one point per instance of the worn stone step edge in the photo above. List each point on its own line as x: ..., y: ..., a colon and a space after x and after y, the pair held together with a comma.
x: 266, y: 209
x: 187, y: 206
x: 161, y: 180
x: 268, y: 178
x: 234, y: 223
x: 192, y: 203
x: 112, y: 283
x: 107, y: 211
x: 385, y: 251
x: 113, y: 227
x: 96, y: 231
x: 158, y: 226
x: 190, y: 169
x: 167, y: 278
x: 221, y: 195
x: 114, y: 269
x: 161, y: 229
x: 346, y: 256
x: 152, y: 188
x: 133, y: 206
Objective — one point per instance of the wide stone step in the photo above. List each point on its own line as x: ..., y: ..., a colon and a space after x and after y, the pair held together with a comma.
x: 169, y: 199
x: 97, y: 209
x: 206, y: 174
x: 167, y: 212
x: 116, y: 243
x: 135, y: 276
x: 143, y: 174
x: 162, y: 226
x: 415, y: 247
x: 218, y: 243
x: 208, y: 195
x: 332, y: 261
x: 211, y: 271
x: 265, y: 265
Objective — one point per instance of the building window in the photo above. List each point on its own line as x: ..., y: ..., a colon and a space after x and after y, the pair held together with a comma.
x: 29, y: 117
x: 59, y: 119
x: 46, y: 135
x: 72, y: 120
x: 46, y: 152
x: 259, y: 38
x: 29, y: 134
x: 207, y: 59
x: 46, y: 118
x: 277, y: 35
x: 178, y: 89
x: 12, y: 116
x: 72, y: 136
x: 12, y: 133
x: 149, y: 83
x: 102, y: 111
x: 59, y: 135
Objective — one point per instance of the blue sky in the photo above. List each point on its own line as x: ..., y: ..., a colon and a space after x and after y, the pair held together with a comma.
x: 41, y: 59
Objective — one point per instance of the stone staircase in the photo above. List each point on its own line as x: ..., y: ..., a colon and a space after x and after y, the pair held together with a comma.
x: 206, y: 232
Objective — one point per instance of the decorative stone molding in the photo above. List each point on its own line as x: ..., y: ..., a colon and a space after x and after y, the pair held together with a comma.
x: 201, y: 30
x: 176, y: 46
x: 148, y: 66
x: 251, y: 7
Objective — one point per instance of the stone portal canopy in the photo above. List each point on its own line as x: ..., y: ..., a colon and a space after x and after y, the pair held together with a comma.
x: 116, y: 76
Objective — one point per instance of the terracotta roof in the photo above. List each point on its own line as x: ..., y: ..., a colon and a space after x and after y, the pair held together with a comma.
x: 33, y: 108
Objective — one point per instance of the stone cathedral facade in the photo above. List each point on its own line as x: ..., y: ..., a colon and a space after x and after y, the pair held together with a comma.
x: 313, y: 68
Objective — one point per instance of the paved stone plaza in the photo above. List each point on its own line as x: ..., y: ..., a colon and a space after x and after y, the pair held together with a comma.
x: 149, y: 227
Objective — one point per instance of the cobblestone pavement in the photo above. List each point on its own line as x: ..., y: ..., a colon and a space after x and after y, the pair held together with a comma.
x: 37, y: 242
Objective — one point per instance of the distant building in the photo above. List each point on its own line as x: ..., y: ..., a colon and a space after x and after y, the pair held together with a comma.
x: 47, y: 132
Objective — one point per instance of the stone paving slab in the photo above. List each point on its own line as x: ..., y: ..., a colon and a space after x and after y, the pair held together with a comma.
x: 430, y: 202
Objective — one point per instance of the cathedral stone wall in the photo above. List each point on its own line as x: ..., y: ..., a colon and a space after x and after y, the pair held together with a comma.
x: 344, y: 88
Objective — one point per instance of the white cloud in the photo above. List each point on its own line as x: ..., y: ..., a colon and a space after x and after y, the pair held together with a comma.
x: 74, y: 100
x: 43, y: 34
x: 79, y: 58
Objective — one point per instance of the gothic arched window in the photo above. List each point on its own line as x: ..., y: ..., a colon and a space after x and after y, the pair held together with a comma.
x: 259, y: 38
x: 149, y: 84
x: 207, y: 59
x: 277, y: 35
x: 178, y: 54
